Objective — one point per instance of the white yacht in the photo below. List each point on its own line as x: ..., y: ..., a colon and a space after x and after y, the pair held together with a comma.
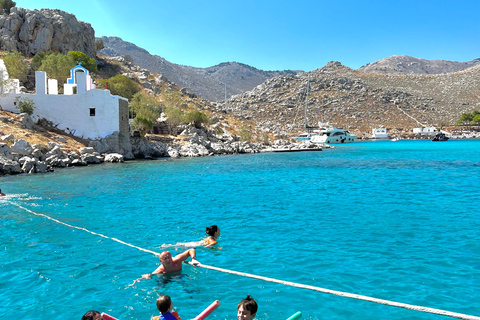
x: 328, y: 134
x: 380, y: 133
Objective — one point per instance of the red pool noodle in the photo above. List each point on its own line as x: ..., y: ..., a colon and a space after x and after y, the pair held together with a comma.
x: 205, y: 313
x: 107, y: 317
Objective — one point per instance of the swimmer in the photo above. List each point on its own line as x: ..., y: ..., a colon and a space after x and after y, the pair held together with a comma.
x: 213, y: 233
x: 247, y: 309
x: 92, y: 315
x: 2, y: 194
x: 170, y: 264
x: 165, y: 306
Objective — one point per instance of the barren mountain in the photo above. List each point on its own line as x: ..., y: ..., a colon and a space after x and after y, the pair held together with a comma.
x: 358, y: 101
x: 401, y: 64
x: 208, y: 83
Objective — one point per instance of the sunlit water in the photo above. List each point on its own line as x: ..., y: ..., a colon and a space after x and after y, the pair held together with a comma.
x: 392, y: 220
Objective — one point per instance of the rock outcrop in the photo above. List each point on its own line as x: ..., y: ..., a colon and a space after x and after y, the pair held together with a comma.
x: 32, y: 31
x: 401, y: 64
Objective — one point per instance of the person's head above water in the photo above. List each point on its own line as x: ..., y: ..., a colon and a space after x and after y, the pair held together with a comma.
x: 92, y: 315
x: 213, y: 231
x: 247, y: 308
x: 166, y: 260
x: 164, y: 304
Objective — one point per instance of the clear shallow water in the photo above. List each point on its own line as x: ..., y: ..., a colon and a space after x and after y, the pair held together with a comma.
x: 392, y: 220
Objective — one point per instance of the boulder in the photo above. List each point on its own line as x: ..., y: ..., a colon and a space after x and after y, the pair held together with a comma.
x: 21, y: 147
x: 86, y: 150
x: 5, y: 151
x: 193, y: 150
x: 8, y: 166
x: 90, y: 158
x: 79, y: 162
x: 114, y: 157
x: 56, y: 151
x: 7, y: 137
x: 26, y: 121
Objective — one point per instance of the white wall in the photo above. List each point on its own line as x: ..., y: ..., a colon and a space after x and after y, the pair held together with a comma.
x: 73, y: 111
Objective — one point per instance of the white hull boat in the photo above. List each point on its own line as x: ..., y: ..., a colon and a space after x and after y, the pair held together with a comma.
x: 328, y: 134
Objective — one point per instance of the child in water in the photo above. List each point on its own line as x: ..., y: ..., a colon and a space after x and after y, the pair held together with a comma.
x: 247, y: 309
x: 165, y: 306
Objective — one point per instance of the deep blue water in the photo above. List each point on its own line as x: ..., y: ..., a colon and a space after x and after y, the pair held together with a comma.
x: 392, y: 220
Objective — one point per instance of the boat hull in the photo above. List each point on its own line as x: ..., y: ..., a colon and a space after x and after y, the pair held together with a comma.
x: 333, y: 139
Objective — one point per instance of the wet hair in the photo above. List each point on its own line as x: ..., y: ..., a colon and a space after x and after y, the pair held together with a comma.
x: 211, y: 230
x: 249, y: 304
x: 164, y: 303
x: 90, y: 315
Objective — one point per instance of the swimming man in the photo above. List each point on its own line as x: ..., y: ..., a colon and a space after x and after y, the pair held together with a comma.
x: 170, y: 264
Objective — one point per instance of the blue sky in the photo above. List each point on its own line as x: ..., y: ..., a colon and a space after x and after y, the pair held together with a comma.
x: 280, y: 35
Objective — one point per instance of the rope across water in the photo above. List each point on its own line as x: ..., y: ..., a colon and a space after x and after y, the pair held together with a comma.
x: 287, y: 283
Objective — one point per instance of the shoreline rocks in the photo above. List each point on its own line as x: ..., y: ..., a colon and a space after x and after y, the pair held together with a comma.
x: 21, y: 157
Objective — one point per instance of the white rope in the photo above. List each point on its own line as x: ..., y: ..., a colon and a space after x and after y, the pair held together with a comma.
x: 86, y: 230
x: 287, y: 283
x: 345, y: 294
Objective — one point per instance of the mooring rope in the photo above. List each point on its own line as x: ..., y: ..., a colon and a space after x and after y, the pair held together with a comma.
x: 287, y: 283
x: 86, y: 230
x: 344, y: 294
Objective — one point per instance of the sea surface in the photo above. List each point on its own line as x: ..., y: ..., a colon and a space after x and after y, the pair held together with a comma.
x: 391, y: 220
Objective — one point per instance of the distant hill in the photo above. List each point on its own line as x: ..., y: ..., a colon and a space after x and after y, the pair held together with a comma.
x: 401, y: 64
x: 208, y: 83
x: 359, y: 101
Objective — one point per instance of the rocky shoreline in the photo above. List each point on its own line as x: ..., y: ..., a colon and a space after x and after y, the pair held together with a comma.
x: 21, y: 157
x: 18, y: 156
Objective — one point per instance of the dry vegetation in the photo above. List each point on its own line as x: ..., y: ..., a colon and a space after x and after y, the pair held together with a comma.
x: 41, y: 133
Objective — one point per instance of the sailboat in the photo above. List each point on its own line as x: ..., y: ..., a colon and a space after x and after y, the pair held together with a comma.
x: 325, y: 133
x: 309, y: 131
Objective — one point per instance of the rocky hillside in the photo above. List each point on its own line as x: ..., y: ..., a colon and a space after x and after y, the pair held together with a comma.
x: 208, y: 83
x: 401, y: 64
x: 32, y: 31
x: 358, y: 101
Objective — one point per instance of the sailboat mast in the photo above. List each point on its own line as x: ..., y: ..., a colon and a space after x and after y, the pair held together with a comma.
x: 306, y: 102
x: 226, y: 106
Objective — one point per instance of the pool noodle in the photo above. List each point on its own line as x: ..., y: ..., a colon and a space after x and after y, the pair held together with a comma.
x: 205, y: 313
x: 296, y: 316
x: 107, y: 317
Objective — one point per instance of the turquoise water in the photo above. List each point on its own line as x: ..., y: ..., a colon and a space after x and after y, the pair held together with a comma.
x: 391, y: 220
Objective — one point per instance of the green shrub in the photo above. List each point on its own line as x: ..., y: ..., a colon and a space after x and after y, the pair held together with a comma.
x: 175, y: 117
x: 146, y: 111
x: 87, y: 63
x: 16, y: 66
x: 6, y: 5
x: 99, y: 45
x: 265, y: 138
x: 25, y: 105
x: 121, y: 85
x: 197, y: 118
x: 57, y: 66
x: 244, y: 134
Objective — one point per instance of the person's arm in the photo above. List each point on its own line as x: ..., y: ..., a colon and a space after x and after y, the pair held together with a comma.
x: 184, y: 256
x: 157, y: 271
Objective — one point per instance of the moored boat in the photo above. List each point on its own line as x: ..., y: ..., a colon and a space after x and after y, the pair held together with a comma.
x: 440, y: 137
x: 329, y: 134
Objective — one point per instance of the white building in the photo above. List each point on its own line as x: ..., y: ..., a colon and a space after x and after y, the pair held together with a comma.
x: 88, y: 113
x: 425, y: 131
